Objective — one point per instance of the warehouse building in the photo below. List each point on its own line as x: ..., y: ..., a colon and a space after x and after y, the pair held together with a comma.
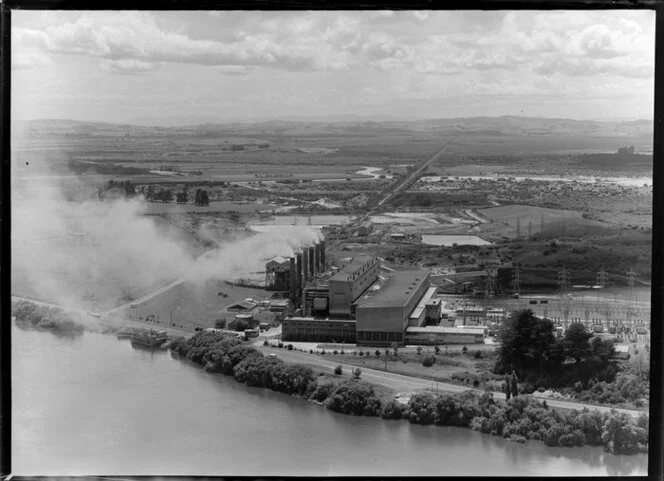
x: 318, y: 330
x: 435, y: 335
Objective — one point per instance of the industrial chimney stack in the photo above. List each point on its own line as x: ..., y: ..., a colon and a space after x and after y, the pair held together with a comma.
x: 317, y: 257
x: 312, y: 266
x: 305, y: 266
x: 323, y: 265
x: 298, y: 270
x: 293, y: 280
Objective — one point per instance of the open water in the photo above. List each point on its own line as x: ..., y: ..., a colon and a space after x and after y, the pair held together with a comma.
x: 94, y: 405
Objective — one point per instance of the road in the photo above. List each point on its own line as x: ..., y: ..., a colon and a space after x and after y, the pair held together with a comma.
x: 145, y: 298
x: 404, y: 383
x: 406, y: 181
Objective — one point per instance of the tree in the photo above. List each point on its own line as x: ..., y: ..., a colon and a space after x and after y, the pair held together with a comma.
x: 576, y: 341
x: 526, y: 342
x: 419, y: 350
x: 149, y: 194
x: 338, y: 370
x: 357, y: 373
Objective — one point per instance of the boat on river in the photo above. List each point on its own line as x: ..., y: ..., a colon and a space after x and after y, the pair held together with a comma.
x: 149, y: 338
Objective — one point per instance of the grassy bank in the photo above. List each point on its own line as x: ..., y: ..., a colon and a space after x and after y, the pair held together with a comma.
x: 518, y: 419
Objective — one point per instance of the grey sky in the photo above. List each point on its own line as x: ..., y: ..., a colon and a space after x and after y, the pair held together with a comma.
x: 122, y: 66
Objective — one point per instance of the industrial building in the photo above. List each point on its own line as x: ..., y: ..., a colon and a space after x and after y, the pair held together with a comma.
x: 318, y: 330
x: 291, y: 275
x: 433, y: 335
x: 358, y: 302
x: 382, y: 318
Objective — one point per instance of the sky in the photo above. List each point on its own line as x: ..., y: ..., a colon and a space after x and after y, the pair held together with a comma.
x: 183, y: 67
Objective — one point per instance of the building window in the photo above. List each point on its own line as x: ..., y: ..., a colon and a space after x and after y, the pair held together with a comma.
x: 383, y: 336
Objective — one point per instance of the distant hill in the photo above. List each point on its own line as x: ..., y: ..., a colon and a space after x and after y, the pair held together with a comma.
x: 506, y: 125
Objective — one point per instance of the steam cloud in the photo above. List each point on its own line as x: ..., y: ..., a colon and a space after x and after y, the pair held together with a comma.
x: 65, y: 250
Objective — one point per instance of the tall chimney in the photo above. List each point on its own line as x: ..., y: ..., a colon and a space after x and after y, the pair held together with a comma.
x: 305, y: 266
x: 298, y: 280
x: 293, y: 280
x: 317, y: 257
x: 323, y: 265
x: 312, y: 271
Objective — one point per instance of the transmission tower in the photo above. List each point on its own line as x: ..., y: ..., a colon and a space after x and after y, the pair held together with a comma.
x: 563, y: 281
x: 631, y: 310
x: 490, y: 284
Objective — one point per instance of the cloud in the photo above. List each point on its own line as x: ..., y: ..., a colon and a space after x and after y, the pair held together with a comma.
x: 128, y: 66
x: 137, y: 36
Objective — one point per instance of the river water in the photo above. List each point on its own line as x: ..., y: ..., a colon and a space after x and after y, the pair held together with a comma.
x: 94, y: 405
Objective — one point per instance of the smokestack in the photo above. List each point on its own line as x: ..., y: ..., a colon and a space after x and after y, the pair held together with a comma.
x: 293, y: 280
x: 305, y: 265
x: 311, y: 261
x: 323, y: 265
x: 298, y: 268
x: 319, y: 269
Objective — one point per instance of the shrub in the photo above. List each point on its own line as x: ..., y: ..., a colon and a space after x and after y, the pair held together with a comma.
x: 322, y: 392
x: 266, y: 343
x: 392, y: 410
x: 280, y: 345
x: 464, y: 349
x: 311, y: 351
x: 323, y: 352
x: 353, y: 397
x: 361, y: 353
x: 419, y: 350
x: 335, y: 352
x: 428, y: 361
x: 377, y: 353
x: 357, y: 373
x: 342, y: 352
x: 436, y: 350
x: 338, y: 370
x: 478, y: 354
x: 290, y: 347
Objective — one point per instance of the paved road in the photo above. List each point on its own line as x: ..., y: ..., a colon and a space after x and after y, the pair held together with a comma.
x: 404, y: 383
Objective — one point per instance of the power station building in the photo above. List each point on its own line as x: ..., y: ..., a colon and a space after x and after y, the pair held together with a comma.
x: 361, y: 304
x: 358, y: 305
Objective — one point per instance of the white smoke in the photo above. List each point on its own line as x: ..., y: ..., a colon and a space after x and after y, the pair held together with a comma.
x: 65, y: 250
x: 249, y: 255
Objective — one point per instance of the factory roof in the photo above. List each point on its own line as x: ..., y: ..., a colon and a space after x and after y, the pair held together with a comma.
x: 396, y: 290
x: 423, y: 302
x: 344, y: 274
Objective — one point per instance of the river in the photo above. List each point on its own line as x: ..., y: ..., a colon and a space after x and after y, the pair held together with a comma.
x: 94, y: 405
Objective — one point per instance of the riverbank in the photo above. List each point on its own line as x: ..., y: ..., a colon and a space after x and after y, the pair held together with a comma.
x: 519, y: 419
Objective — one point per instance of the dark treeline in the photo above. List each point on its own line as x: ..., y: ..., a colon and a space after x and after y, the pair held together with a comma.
x: 580, y: 363
x: 529, y: 346
x: 518, y: 419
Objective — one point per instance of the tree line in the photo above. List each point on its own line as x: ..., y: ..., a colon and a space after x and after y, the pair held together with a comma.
x: 127, y: 189
x: 530, y: 347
